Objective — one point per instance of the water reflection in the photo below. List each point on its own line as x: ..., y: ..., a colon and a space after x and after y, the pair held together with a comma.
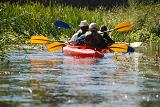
x: 40, y: 78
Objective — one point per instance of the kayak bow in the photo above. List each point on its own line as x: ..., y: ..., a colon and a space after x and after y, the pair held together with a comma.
x: 81, y: 51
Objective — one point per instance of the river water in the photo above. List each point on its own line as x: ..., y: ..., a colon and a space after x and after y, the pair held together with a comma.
x: 37, y: 78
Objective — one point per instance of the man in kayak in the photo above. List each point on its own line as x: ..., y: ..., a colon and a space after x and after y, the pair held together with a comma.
x: 104, y: 33
x: 93, y: 38
x: 83, y: 29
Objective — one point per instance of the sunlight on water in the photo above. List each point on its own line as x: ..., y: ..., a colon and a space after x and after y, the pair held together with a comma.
x: 39, y: 78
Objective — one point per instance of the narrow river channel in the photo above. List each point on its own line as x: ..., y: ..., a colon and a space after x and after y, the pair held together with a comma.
x: 37, y: 78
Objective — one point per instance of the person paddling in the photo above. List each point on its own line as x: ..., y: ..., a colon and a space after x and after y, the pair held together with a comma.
x: 104, y: 33
x: 83, y: 29
x: 93, y: 38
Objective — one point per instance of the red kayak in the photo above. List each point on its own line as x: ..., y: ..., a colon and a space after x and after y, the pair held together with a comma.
x: 82, y: 51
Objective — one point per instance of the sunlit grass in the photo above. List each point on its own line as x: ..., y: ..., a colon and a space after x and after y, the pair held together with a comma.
x: 31, y: 19
x: 38, y: 19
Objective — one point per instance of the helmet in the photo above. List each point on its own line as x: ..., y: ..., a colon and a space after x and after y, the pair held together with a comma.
x: 103, y: 28
x: 93, y: 26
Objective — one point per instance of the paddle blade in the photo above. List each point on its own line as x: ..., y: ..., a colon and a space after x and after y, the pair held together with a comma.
x: 135, y: 44
x: 61, y: 24
x: 118, y: 48
x: 39, y: 40
x: 55, y: 46
x: 122, y: 27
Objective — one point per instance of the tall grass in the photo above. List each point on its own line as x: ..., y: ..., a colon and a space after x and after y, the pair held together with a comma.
x: 32, y: 19
x: 26, y: 20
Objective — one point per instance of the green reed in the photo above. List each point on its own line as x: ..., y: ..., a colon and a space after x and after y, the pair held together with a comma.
x: 34, y: 18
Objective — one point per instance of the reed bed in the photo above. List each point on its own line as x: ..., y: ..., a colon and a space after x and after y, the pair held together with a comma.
x: 20, y: 22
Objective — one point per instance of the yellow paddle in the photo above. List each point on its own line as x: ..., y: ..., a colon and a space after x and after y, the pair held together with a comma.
x: 123, y: 27
x: 118, y: 47
x: 39, y: 40
x: 55, y: 46
x: 42, y: 40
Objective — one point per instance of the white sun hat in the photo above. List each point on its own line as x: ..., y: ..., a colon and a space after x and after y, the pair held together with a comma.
x: 83, y: 23
x: 93, y: 26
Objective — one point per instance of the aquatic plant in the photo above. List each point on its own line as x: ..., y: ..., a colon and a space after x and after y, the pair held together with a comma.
x: 34, y: 18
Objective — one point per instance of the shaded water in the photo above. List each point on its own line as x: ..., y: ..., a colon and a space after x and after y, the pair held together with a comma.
x: 41, y: 79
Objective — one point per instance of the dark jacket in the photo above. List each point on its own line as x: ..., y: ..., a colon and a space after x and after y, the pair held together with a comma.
x: 94, y: 39
x: 106, y: 37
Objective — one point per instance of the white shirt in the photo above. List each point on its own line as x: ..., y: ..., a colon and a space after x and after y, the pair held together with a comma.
x: 75, y: 36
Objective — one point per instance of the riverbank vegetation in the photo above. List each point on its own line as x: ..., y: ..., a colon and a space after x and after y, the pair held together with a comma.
x: 20, y: 21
